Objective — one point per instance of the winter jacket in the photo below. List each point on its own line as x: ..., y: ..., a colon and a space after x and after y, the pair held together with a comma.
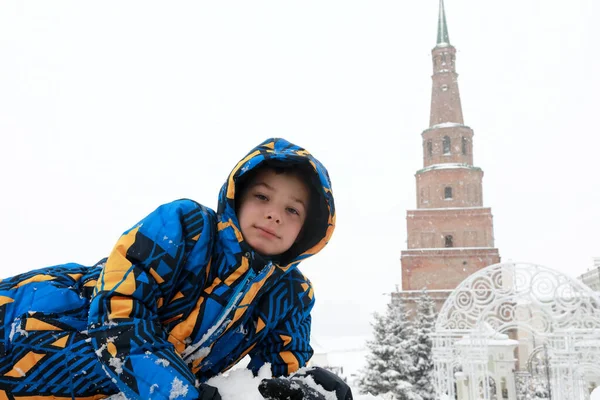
x: 180, y: 298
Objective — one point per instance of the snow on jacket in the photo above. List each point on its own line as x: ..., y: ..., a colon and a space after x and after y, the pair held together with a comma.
x: 180, y: 298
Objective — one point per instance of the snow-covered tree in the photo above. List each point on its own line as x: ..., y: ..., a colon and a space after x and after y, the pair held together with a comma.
x: 380, y: 353
x: 389, y: 365
x: 540, y: 387
x: 532, y: 387
x: 420, y: 348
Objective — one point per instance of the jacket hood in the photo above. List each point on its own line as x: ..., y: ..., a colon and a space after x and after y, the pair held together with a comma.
x: 320, y: 222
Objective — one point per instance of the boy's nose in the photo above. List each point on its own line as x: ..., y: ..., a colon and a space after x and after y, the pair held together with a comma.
x: 274, y: 216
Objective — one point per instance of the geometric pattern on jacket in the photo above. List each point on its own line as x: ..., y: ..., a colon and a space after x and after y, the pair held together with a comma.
x: 180, y: 298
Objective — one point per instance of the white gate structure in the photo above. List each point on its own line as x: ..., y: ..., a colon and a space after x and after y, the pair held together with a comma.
x: 540, y: 312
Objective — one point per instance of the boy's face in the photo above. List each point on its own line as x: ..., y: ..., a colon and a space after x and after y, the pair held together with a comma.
x: 272, y: 211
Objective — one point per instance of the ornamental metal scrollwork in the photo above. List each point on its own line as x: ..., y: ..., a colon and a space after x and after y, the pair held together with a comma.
x: 526, y: 302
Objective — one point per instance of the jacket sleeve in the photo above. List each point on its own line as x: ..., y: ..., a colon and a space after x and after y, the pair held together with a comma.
x: 287, y: 347
x: 139, y: 276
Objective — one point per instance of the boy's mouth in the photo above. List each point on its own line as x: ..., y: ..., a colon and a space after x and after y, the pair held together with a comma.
x: 267, y: 231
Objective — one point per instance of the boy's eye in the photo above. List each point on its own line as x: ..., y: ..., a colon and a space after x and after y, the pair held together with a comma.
x: 261, y: 196
x: 293, y: 211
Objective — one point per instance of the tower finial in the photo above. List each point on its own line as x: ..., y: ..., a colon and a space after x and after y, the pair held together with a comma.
x: 442, y: 34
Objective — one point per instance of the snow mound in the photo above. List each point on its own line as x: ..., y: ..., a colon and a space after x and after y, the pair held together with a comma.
x: 240, y: 384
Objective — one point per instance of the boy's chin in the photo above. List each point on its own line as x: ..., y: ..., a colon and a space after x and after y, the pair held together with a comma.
x: 266, y: 251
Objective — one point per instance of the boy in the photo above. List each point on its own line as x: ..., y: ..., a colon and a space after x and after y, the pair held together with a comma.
x: 183, y: 296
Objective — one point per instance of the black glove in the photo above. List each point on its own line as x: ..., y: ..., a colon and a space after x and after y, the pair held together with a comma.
x: 287, y: 389
x: 330, y: 382
x: 295, y: 387
x: 208, y: 392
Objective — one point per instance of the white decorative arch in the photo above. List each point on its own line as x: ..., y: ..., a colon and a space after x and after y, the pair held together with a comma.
x: 561, y: 313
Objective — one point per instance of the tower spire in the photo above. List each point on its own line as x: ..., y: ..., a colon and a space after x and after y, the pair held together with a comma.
x: 445, y: 97
x: 442, y: 33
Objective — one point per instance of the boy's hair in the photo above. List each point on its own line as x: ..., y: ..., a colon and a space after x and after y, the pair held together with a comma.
x: 309, y: 234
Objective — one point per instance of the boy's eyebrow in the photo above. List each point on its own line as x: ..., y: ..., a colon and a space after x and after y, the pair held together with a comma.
x: 255, y: 184
x: 297, y: 200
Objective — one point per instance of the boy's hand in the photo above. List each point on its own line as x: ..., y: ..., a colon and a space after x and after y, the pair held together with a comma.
x: 287, y: 389
x: 329, y: 381
x: 300, y: 386
x: 208, y: 392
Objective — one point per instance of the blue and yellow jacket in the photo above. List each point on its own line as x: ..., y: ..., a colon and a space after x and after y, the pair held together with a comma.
x: 180, y: 298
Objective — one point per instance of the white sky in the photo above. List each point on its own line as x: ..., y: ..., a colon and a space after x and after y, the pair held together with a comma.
x: 110, y: 109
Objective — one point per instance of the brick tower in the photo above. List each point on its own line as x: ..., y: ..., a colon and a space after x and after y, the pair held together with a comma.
x: 450, y: 234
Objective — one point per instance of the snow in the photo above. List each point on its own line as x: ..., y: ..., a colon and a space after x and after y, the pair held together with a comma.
x: 492, y: 338
x: 178, y: 389
x: 117, y: 364
x: 16, y: 328
x: 595, y: 394
x: 452, y: 208
x: 447, y: 125
x: 311, y: 383
x: 240, y: 384
x: 447, y: 166
x: 163, y: 362
x: 423, y: 249
x: 490, y: 342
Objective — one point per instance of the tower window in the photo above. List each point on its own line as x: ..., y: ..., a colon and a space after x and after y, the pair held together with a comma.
x: 448, y: 241
x: 429, y: 148
x: 446, y: 145
x: 448, y: 193
x: 464, y: 145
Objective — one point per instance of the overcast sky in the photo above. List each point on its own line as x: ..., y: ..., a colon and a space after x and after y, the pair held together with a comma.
x: 109, y: 109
